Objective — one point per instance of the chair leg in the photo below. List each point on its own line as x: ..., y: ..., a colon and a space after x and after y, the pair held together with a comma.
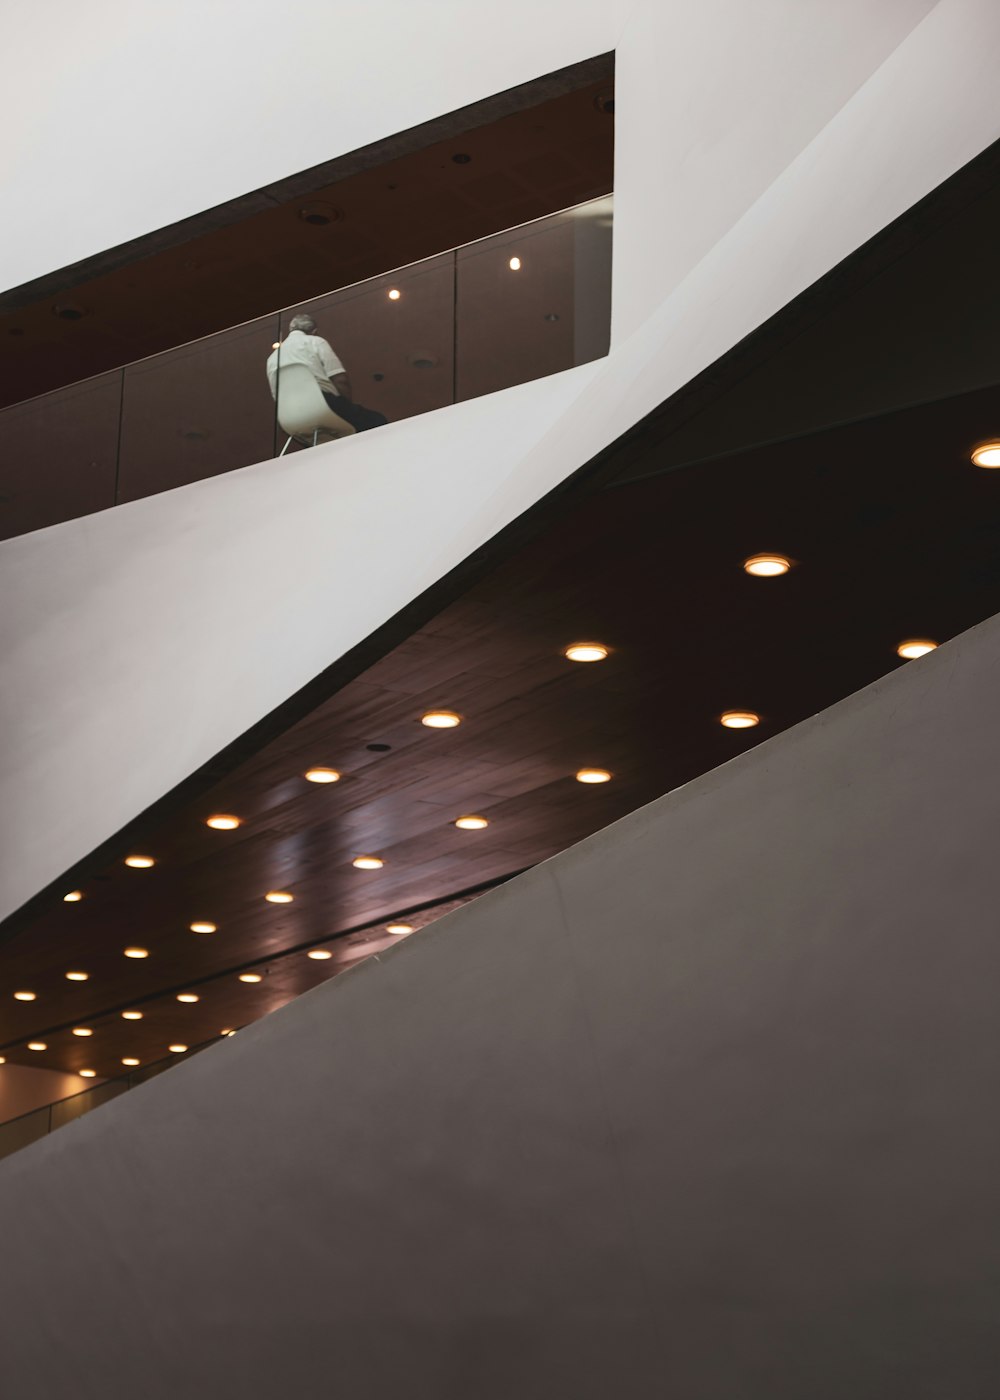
x: 315, y: 437
x: 285, y: 448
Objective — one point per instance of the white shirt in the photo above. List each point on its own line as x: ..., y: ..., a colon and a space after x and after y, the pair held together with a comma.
x: 313, y: 351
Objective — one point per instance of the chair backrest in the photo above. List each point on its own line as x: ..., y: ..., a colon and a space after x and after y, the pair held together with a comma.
x: 301, y: 406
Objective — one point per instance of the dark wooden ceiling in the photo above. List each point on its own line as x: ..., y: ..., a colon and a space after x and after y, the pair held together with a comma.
x: 894, y: 534
x: 517, y: 167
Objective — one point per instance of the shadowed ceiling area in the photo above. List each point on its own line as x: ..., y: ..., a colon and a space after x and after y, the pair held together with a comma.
x: 884, y: 547
x: 508, y: 160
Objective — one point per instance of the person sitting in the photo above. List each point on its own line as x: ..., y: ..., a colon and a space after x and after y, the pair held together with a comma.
x: 302, y: 346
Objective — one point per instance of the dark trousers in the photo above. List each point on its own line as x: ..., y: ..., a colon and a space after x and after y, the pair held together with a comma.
x: 359, y: 418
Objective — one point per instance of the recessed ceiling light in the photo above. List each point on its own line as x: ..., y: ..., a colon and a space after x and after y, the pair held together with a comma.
x: 129, y: 1060
x: 177, y: 1049
x: 471, y: 823
x: 203, y: 926
x: 87, y: 1073
x: 367, y: 863
x: 394, y: 294
x: 77, y: 976
x: 275, y: 344
x: 279, y: 897
x: 223, y: 822
x: 136, y: 952
x: 986, y: 454
x: 739, y: 719
x: 399, y: 928
x: 586, y: 651
x: 767, y: 565
x: 323, y: 775
x: 593, y: 775
x: 189, y: 997
x: 73, y: 897
x: 82, y: 1031
x: 131, y: 1015
x: 916, y: 646
x: 139, y: 862
x: 250, y: 977
x: 441, y: 719
x: 319, y: 954
x: 227, y: 1031
x: 24, y: 996
x: 514, y: 264
x: 3, y: 1059
x: 37, y: 1045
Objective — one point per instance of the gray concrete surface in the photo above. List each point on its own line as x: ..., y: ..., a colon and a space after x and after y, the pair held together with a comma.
x: 706, y: 1108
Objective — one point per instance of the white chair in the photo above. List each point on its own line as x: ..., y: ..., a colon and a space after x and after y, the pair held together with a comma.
x: 302, y: 409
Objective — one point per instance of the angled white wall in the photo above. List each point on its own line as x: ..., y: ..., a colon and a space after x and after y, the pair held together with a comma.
x: 146, y: 638
x: 753, y: 1155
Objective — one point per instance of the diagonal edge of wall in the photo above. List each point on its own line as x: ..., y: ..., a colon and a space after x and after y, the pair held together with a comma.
x: 704, y: 1104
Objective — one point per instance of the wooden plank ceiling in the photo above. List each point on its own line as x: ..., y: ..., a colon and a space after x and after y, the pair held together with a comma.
x: 894, y: 534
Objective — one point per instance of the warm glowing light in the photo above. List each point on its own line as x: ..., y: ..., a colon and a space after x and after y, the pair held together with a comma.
x: 140, y: 862
x: 767, y: 565
x: 87, y: 1073
x: 129, y: 1060
x: 82, y: 1030
x: 73, y: 897
x: 223, y: 823
x: 471, y: 823
x: 514, y: 264
x: 37, y: 1045
x: 24, y: 996
x: 136, y: 952
x: 203, y: 926
x: 131, y: 1015
x: 739, y: 719
x: 916, y: 646
x: 177, y: 1049
x: 250, y: 977
x: 367, y: 863
x: 323, y: 775
x: 3, y: 1059
x: 279, y: 897
x: 189, y: 997
x: 275, y: 344
x: 394, y: 294
x: 586, y: 651
x: 319, y: 954
x: 77, y: 976
x: 399, y: 928
x: 228, y: 1032
x: 441, y: 719
x: 986, y: 454
x: 593, y: 775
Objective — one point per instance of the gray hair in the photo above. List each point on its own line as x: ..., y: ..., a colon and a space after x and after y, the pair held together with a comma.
x: 302, y: 322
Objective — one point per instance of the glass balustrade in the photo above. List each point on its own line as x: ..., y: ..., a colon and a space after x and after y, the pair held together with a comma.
x: 29, y: 1127
x: 519, y: 305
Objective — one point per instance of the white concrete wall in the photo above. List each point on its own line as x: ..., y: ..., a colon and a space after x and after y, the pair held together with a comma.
x: 147, y: 637
x: 753, y: 1155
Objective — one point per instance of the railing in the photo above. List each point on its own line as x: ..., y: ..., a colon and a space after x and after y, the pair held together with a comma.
x: 39, y: 1122
x: 513, y: 307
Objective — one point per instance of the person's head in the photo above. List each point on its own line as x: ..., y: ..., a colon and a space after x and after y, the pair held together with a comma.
x: 302, y: 322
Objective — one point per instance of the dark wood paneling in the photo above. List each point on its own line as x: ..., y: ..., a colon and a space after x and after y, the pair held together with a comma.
x: 894, y: 534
